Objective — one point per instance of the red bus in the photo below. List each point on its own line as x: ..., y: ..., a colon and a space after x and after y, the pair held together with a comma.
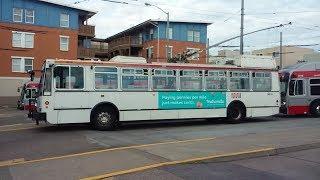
x: 29, y: 91
x: 300, y: 89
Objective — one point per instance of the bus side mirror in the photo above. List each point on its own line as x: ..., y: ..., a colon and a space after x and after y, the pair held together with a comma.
x: 18, y: 90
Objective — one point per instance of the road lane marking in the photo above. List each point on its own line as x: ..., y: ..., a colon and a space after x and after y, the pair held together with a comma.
x: 107, y: 150
x: 157, y: 165
x: 18, y: 129
x: 10, y: 125
x: 8, y: 162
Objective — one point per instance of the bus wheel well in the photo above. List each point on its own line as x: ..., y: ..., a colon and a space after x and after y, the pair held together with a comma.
x: 237, y: 104
x: 104, y: 105
x: 314, y: 107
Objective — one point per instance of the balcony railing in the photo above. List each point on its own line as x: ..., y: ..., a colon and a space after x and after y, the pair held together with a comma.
x: 125, y: 41
x: 87, y: 30
x: 86, y: 52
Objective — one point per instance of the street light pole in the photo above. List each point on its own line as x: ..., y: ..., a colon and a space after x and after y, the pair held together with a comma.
x: 167, y: 28
x: 158, y: 46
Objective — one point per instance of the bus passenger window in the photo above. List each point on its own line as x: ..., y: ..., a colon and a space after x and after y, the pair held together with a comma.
x: 106, y: 78
x: 261, y: 81
x: 239, y: 81
x: 291, y: 87
x: 134, y: 79
x: 314, y: 87
x: 68, y: 79
x: 164, y: 80
x: 299, y: 87
x: 216, y: 80
x: 191, y: 80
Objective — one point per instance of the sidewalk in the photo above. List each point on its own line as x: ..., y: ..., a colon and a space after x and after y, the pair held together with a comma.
x: 123, y: 160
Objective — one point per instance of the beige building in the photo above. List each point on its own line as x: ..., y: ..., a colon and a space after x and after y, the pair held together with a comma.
x: 290, y: 54
x: 228, y: 53
x: 312, y: 57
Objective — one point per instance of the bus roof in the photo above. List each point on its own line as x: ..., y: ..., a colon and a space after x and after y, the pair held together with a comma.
x: 150, y: 65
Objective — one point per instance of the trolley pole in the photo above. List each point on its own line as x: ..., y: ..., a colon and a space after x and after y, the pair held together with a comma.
x: 241, y: 28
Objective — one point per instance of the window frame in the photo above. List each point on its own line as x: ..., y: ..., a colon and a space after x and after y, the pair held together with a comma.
x: 264, y: 73
x: 199, y: 75
x: 230, y: 77
x: 117, y: 73
x: 174, y: 75
x: 26, y: 16
x: 63, y: 20
x: 189, y: 35
x: 313, y: 85
x: 68, y: 42
x: 23, y: 39
x: 22, y: 63
x: 148, y: 51
x: 196, y: 38
x: 207, y: 76
x: 134, y: 74
x: 13, y: 14
x: 69, y: 89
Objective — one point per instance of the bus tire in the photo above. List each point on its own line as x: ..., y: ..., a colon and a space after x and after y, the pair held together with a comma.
x: 315, y: 108
x: 105, y: 118
x: 236, y: 112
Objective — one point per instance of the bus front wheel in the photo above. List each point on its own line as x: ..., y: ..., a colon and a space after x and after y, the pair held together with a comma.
x: 236, y: 112
x: 315, y: 109
x: 104, y: 118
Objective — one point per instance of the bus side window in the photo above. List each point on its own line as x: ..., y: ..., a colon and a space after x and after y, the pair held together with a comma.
x: 291, y: 88
x: 315, y: 87
x: 65, y: 81
x: 299, y: 90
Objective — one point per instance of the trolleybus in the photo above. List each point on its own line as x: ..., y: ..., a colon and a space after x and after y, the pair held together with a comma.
x: 106, y: 93
x: 28, y: 92
x: 300, y: 89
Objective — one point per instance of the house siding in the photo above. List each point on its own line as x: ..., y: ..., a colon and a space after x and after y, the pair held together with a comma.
x: 45, y: 14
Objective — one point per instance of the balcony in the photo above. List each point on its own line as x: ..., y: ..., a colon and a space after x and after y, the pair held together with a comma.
x: 85, y: 53
x: 126, y: 41
x: 87, y: 30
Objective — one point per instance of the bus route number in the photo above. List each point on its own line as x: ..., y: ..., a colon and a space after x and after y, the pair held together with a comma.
x: 235, y: 95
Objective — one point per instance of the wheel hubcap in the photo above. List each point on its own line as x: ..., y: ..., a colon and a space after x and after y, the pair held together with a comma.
x: 236, y: 114
x: 318, y: 109
x: 104, y: 117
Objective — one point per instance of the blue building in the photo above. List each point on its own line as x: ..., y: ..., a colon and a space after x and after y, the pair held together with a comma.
x: 148, y: 40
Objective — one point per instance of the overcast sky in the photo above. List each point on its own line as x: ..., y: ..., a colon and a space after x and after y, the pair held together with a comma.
x: 224, y: 14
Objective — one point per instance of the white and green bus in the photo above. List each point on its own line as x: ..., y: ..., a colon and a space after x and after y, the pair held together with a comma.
x: 106, y: 93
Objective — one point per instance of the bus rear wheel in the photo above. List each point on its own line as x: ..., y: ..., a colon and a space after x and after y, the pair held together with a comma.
x: 236, y: 113
x: 104, y: 118
x: 315, y: 109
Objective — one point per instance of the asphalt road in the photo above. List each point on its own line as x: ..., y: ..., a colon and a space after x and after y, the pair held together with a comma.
x: 297, y: 165
x: 21, y: 139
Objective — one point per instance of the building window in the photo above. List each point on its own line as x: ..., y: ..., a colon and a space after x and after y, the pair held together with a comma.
x: 22, y: 39
x: 196, y: 37
x: 195, y: 53
x: 190, y: 35
x: 64, y: 43
x: 64, y: 20
x: 29, y: 16
x: 170, y: 33
x: 151, y: 34
x: 22, y: 64
x: 169, y: 51
x: 17, y: 15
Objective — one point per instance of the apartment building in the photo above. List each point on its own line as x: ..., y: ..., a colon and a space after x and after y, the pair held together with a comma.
x: 148, y: 39
x: 34, y: 30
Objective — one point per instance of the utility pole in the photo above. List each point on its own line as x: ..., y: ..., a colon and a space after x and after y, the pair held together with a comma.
x: 241, y: 28
x: 167, y: 47
x: 280, y: 53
